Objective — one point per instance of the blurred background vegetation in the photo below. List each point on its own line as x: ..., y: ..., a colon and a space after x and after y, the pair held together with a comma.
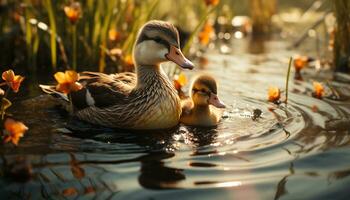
x: 98, y: 35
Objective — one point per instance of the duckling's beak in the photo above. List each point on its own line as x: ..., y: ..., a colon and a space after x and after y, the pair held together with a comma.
x: 215, y: 101
x: 177, y: 57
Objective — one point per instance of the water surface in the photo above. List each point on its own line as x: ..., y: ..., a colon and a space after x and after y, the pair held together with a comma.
x: 295, y: 151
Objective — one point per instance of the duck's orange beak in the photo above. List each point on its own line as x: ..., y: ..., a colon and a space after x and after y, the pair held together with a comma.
x: 177, y: 57
x: 215, y: 101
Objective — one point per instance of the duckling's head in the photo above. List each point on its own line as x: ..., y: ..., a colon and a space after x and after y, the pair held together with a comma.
x: 158, y: 42
x: 204, y: 92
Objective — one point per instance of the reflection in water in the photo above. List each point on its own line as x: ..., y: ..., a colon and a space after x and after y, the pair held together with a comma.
x: 257, y: 44
x: 155, y: 175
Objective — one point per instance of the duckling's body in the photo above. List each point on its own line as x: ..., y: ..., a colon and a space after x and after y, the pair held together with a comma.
x: 200, y: 116
x: 201, y: 109
x: 145, y: 100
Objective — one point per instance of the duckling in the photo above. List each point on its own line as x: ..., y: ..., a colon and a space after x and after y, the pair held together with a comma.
x: 198, y: 110
x: 146, y: 99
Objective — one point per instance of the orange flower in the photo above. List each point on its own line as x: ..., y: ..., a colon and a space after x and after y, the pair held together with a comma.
x: 73, y: 12
x: 180, y: 81
x: 12, y: 80
x: 211, y: 2
x: 67, y: 82
x: 114, y: 35
x: 274, y: 94
x: 205, y: 34
x: 14, y: 130
x: 300, y: 62
x: 128, y: 63
x: 318, y: 90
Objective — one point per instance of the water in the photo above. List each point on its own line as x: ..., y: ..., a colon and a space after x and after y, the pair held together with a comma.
x: 298, y: 151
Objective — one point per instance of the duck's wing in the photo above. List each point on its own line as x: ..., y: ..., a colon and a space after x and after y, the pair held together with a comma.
x: 187, y: 106
x: 103, y: 90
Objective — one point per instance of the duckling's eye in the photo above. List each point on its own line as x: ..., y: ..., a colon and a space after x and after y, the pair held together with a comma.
x: 204, y: 91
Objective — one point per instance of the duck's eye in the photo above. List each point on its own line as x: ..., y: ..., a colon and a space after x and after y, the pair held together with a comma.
x: 158, y: 40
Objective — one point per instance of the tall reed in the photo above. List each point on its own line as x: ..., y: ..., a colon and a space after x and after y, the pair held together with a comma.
x: 52, y: 20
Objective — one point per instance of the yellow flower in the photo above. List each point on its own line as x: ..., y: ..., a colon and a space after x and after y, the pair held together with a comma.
x: 318, y: 89
x: 73, y: 12
x: 274, y: 94
x: 14, y: 130
x: 12, y: 80
x: 211, y: 2
x: 67, y: 82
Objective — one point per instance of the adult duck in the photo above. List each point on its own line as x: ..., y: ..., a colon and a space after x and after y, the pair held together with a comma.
x: 143, y: 100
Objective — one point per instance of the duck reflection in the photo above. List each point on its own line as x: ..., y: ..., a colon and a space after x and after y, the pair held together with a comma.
x: 154, y: 173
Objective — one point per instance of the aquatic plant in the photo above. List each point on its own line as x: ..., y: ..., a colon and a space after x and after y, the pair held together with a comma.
x: 179, y: 82
x: 211, y: 2
x: 300, y: 62
x: 73, y: 13
x: 261, y: 12
x: 342, y: 35
x: 274, y: 94
x: 206, y: 33
x: 13, y: 83
x: 287, y: 78
x: 12, y: 130
x: 318, y: 90
x: 12, y: 80
x: 67, y: 81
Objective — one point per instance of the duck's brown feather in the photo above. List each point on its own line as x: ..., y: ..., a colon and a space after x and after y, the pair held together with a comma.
x: 118, y: 103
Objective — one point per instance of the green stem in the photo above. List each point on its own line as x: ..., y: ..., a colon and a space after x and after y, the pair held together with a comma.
x: 199, y: 25
x: 74, y: 52
x: 51, y: 14
x: 287, y: 78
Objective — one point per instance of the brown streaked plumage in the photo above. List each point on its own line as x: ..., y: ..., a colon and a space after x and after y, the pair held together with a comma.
x: 198, y: 111
x: 145, y: 100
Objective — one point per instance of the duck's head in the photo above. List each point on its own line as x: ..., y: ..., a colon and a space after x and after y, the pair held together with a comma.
x: 158, y: 42
x: 204, y: 92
